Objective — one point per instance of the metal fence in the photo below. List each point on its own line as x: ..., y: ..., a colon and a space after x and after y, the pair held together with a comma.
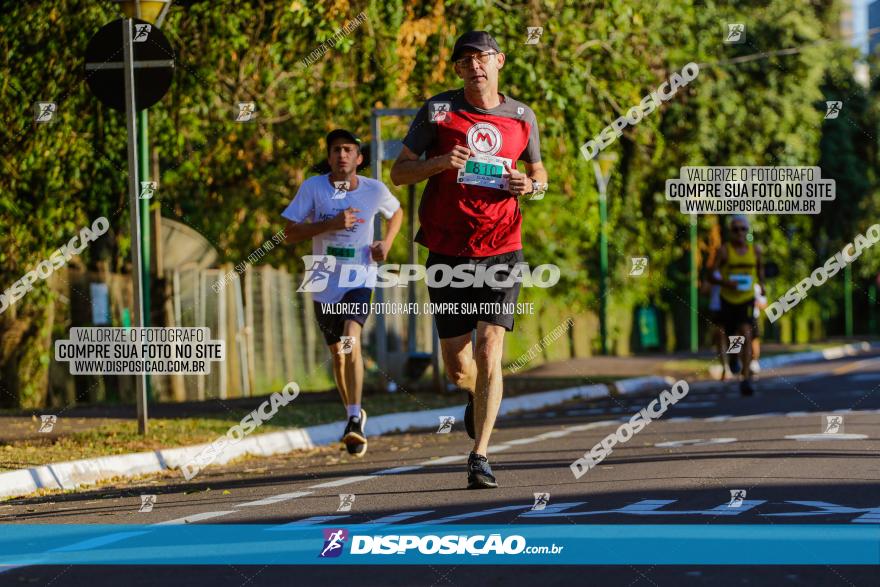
x: 270, y: 332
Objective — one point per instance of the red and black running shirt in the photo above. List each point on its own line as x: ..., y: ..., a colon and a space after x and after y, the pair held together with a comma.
x: 466, y: 220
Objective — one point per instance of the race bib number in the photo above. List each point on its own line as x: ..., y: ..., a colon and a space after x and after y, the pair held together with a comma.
x: 342, y: 252
x: 743, y: 282
x: 485, y: 171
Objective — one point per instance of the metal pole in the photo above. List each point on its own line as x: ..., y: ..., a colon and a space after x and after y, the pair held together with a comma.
x: 146, y: 273
x: 376, y: 165
x: 603, y: 269
x: 847, y: 301
x: 134, y: 211
x: 694, y: 324
x: 872, y: 309
x: 413, y: 257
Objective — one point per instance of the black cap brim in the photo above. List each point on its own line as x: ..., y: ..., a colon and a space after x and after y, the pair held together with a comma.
x: 341, y: 133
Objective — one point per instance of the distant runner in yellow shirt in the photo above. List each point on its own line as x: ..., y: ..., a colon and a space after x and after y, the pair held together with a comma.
x: 740, y: 265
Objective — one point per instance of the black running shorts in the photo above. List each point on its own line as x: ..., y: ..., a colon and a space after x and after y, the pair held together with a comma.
x: 332, y: 324
x: 490, y: 302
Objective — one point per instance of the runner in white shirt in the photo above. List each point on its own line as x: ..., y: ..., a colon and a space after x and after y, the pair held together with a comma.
x: 336, y: 211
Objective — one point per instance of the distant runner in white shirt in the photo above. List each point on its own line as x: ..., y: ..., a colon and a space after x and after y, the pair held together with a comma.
x: 336, y: 211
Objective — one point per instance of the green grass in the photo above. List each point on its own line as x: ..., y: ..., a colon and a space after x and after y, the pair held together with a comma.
x: 120, y: 436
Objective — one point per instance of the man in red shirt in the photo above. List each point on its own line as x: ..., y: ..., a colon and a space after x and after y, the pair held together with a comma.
x: 469, y: 215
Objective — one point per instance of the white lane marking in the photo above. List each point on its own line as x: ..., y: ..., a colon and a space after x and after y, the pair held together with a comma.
x: 820, y: 436
x: 680, y: 419
x: 755, y: 416
x: 520, y: 441
x: 796, y: 414
x: 395, y: 470
x: 313, y: 521
x: 591, y: 425
x: 274, y: 499
x: 723, y: 418
x: 444, y: 460
x: 553, y: 434
x: 394, y: 518
x: 477, y: 514
x: 499, y: 448
x: 343, y: 481
x: 694, y: 442
x: 194, y: 518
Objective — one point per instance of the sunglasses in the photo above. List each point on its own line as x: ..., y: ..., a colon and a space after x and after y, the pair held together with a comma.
x: 481, y: 57
x: 739, y: 229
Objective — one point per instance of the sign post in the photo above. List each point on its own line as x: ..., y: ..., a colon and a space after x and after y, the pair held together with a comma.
x: 135, y: 83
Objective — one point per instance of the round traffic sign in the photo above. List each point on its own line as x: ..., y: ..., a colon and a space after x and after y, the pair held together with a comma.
x: 152, y: 59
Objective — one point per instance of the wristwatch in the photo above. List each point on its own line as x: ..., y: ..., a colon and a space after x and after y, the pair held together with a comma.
x: 538, y: 189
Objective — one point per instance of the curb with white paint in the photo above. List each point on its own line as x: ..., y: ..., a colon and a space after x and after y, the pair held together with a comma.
x: 73, y: 474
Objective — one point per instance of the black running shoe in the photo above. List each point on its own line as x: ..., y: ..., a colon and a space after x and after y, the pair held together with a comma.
x: 746, y: 387
x: 354, y: 438
x: 480, y: 473
x: 735, y: 365
x: 469, y: 417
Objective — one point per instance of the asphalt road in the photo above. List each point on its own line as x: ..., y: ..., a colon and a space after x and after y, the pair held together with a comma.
x: 681, y: 469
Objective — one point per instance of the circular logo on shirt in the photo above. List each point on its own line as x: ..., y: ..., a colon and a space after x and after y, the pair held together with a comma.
x: 484, y: 138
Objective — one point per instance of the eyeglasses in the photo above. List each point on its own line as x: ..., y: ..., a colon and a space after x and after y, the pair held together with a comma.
x: 481, y: 57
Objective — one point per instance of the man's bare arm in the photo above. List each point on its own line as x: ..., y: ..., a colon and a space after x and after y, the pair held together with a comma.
x: 301, y: 231
x: 536, y: 171
x: 409, y: 169
x: 720, y: 258
x: 759, y: 261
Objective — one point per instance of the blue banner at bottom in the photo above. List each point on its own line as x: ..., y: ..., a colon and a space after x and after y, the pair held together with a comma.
x: 371, y: 544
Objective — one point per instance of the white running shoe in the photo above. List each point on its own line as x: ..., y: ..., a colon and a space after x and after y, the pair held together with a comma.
x: 755, y: 366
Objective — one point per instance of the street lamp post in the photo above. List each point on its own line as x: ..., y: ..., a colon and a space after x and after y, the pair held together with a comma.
x: 152, y: 11
x: 602, y: 168
x: 695, y: 331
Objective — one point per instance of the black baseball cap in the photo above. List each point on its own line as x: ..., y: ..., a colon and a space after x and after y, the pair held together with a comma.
x: 476, y: 40
x: 341, y: 133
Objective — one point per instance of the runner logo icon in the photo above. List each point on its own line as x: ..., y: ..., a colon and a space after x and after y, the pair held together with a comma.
x: 484, y: 138
x: 833, y: 424
x: 147, y: 503
x: 333, y: 542
x: 319, y: 268
x: 736, y: 344
x: 440, y: 111
x: 446, y: 423
x: 346, y: 500
x: 639, y: 264
x: 541, y: 501
x: 736, y: 498
x: 832, y: 109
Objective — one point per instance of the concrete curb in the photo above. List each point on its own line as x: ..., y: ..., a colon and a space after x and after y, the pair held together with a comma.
x: 847, y: 350
x: 73, y: 474
x: 638, y: 385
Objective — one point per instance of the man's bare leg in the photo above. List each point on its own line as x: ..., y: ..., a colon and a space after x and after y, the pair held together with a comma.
x: 354, y: 364
x: 458, y: 358
x: 722, y: 351
x: 489, y: 386
x: 339, y: 371
x: 746, y: 353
